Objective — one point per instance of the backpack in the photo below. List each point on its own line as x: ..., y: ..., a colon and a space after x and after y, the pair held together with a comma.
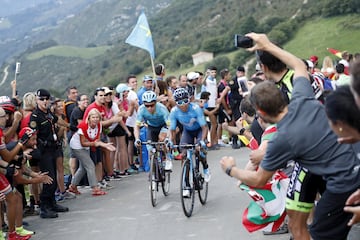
x: 66, y: 104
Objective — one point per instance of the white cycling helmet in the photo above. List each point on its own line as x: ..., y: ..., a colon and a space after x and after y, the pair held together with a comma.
x: 149, y: 96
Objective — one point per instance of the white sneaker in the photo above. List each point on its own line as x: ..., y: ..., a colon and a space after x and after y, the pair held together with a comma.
x: 106, y: 185
x: 69, y: 195
x: 101, y: 185
x: 207, y: 175
x: 168, y: 165
x: 186, y: 193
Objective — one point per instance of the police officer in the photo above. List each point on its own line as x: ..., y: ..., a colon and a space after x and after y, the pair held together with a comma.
x: 43, y: 121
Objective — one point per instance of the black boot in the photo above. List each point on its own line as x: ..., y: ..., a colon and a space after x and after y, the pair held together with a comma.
x: 58, y: 208
x: 46, y: 212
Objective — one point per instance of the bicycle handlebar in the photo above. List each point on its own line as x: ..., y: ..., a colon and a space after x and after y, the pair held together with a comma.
x: 153, y: 143
x: 186, y: 145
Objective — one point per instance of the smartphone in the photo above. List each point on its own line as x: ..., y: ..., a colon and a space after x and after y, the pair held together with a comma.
x: 243, y: 41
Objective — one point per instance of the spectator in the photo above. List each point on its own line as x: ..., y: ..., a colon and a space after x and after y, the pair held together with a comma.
x: 88, y: 136
x: 60, y: 129
x: 355, y: 81
x: 341, y: 77
x: 160, y: 71
x: 210, y: 85
x: 147, y: 85
x: 223, y: 99
x: 75, y: 118
x: 303, y: 112
x: 131, y: 120
x: 344, y: 118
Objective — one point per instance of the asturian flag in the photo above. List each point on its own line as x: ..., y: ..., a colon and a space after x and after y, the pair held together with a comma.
x: 141, y: 36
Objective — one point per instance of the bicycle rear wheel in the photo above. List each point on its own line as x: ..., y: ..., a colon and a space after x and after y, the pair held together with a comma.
x: 153, y: 182
x: 203, y: 186
x: 187, y: 201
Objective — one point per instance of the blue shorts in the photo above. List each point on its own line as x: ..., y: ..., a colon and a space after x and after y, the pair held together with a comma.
x: 189, y: 137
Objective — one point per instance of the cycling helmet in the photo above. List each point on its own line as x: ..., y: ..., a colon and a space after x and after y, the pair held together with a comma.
x: 180, y: 94
x: 6, y: 104
x: 149, y: 96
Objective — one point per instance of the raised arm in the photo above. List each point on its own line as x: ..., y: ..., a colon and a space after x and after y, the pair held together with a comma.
x: 261, y: 42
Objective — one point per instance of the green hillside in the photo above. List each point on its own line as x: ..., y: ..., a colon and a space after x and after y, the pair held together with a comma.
x: 341, y: 33
x: 180, y: 29
x: 69, y: 51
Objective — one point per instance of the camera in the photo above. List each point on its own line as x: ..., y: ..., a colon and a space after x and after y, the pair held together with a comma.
x: 243, y: 41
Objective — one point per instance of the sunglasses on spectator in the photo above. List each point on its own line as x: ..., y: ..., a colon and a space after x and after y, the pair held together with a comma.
x: 43, y: 98
x: 182, y: 102
x: 149, y: 105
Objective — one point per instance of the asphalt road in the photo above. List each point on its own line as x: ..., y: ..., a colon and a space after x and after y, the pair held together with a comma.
x: 126, y: 211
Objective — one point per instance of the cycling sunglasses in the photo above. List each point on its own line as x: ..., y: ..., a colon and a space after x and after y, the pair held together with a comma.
x: 182, y: 102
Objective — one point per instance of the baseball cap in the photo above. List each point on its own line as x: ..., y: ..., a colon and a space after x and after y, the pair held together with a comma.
x: 43, y: 93
x: 147, y: 78
x: 314, y: 58
x: 120, y: 88
x: 7, y: 104
x: 25, y: 130
x: 107, y: 90
x: 310, y: 64
x: 192, y: 75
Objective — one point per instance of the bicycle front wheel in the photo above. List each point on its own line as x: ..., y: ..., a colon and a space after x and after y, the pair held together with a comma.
x: 187, y: 189
x: 153, y: 182
x: 202, y: 186
x: 165, y: 183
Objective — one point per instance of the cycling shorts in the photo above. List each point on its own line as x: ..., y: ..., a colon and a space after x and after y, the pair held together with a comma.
x: 302, y: 190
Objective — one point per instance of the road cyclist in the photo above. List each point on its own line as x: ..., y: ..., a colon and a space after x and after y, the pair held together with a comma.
x: 192, y: 118
x: 154, y: 116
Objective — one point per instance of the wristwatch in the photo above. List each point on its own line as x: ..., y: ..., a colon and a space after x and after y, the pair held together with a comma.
x: 242, y: 131
x: 228, y: 170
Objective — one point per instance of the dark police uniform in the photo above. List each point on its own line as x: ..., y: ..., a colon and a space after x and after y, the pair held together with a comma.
x: 44, y: 124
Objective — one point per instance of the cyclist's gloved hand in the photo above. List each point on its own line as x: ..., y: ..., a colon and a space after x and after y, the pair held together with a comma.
x: 169, y: 143
x: 203, y: 144
x: 137, y: 142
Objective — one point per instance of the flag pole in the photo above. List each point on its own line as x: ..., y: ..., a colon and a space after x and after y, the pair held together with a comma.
x: 156, y: 88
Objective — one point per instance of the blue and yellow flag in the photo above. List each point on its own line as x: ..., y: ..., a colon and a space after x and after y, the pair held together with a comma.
x: 141, y: 36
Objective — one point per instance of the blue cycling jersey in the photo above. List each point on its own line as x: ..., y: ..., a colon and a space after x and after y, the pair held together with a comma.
x: 191, y: 120
x: 159, y: 118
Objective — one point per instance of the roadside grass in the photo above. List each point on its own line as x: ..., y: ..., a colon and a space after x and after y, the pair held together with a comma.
x: 340, y: 33
x: 69, y: 51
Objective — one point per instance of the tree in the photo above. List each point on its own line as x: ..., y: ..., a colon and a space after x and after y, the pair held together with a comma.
x: 220, y: 62
x: 183, y: 55
x: 213, y: 44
